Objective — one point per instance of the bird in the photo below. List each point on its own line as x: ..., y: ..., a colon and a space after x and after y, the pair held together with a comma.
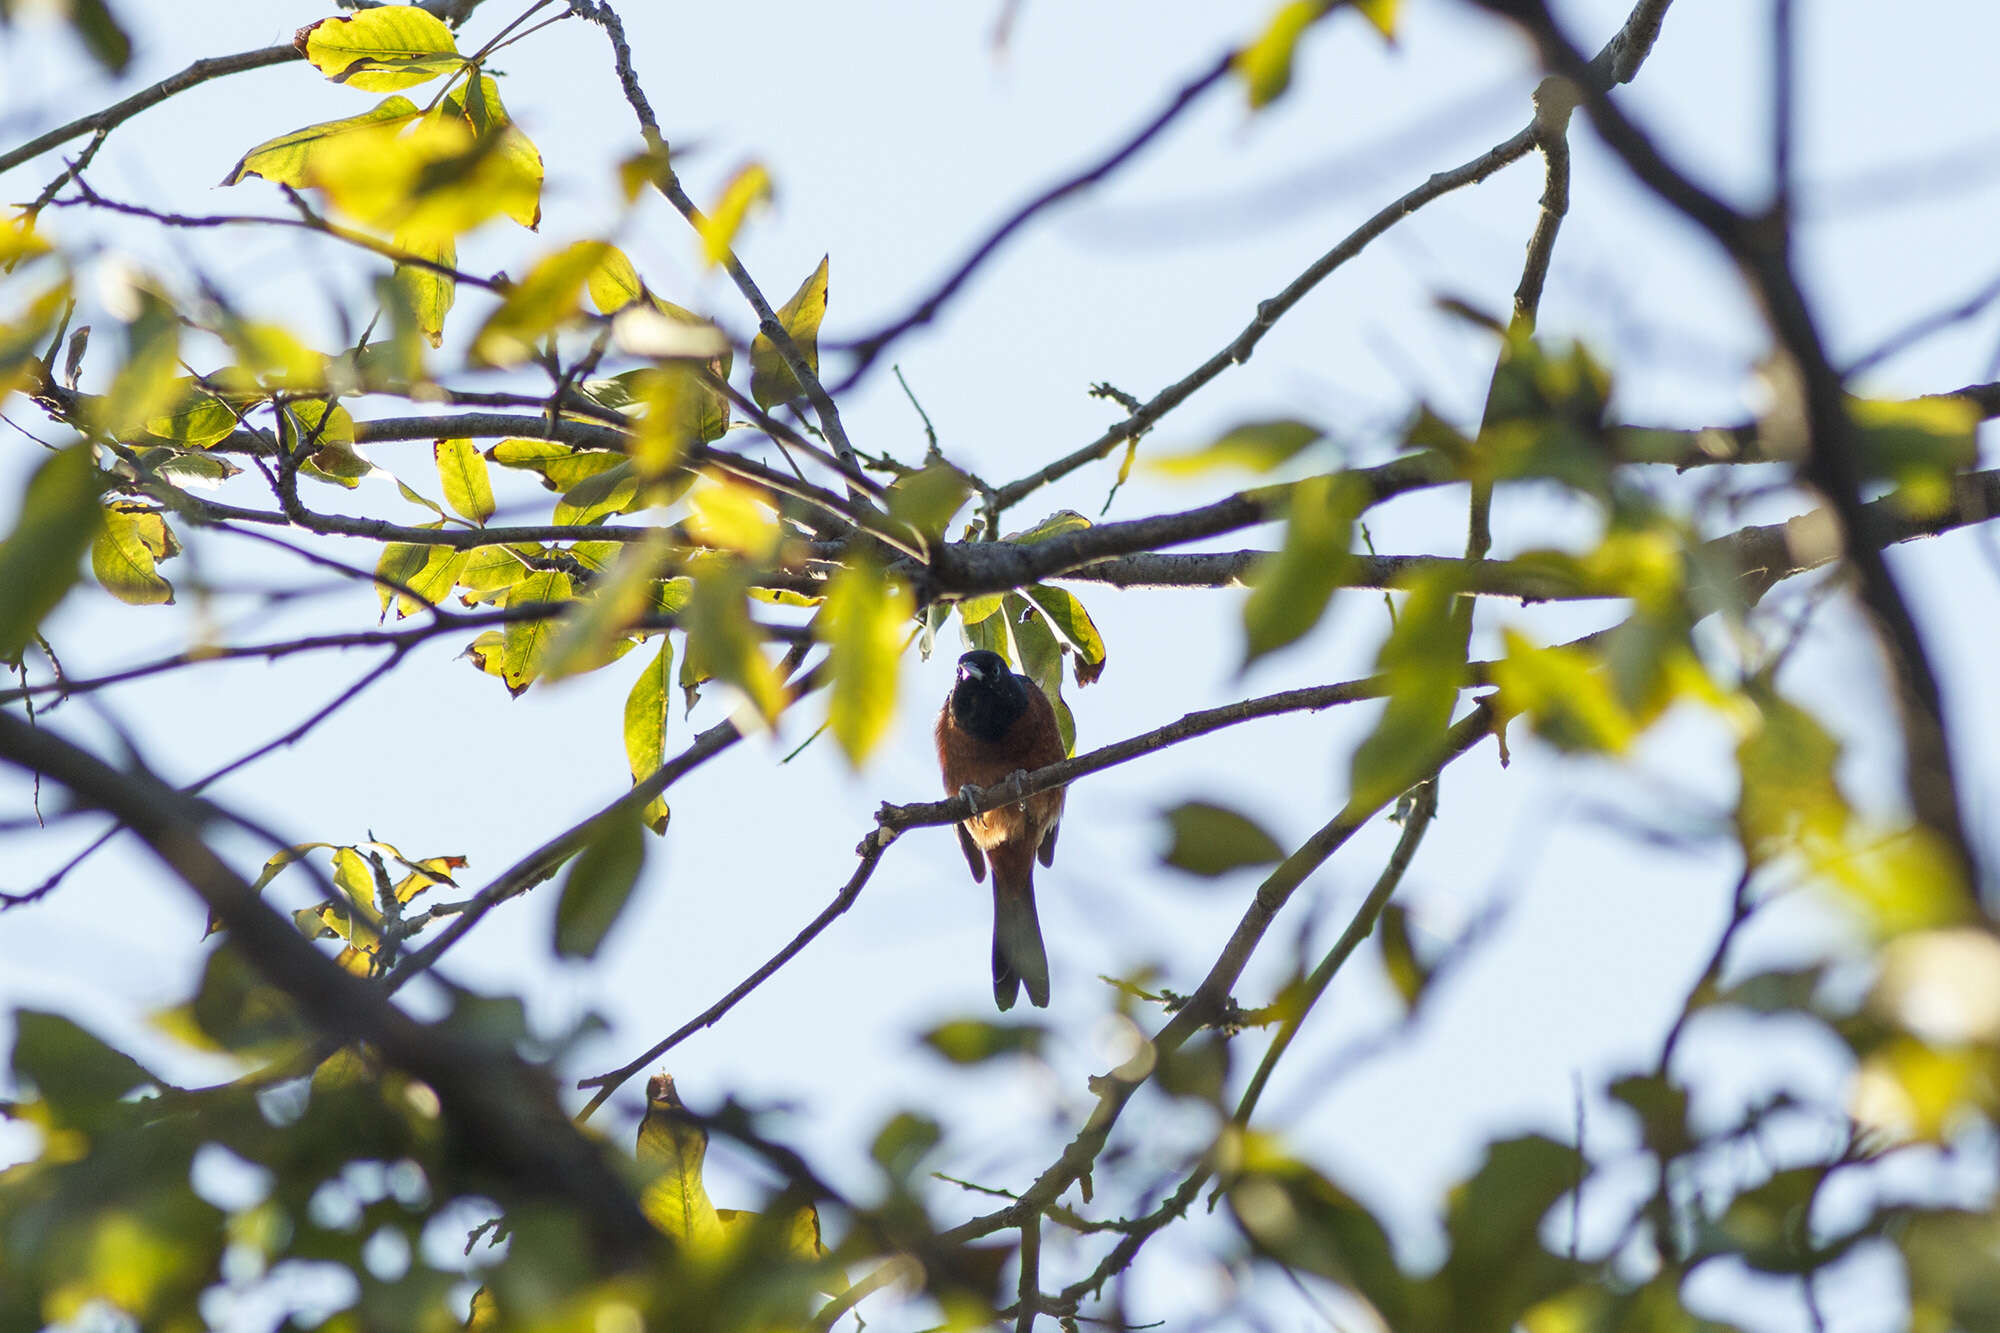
x: 997, y: 723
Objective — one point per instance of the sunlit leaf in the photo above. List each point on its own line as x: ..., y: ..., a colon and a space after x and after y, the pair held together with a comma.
x: 865, y: 624
x: 598, y: 884
x: 646, y: 727
x: 1567, y: 694
x: 614, y: 284
x: 970, y: 1041
x: 734, y: 516
x: 1073, y: 625
x: 1213, y: 840
x: 723, y: 644
x: 674, y: 1144
x: 1265, y: 65
x: 287, y: 159
x: 426, y: 292
x: 462, y: 470
x: 199, y: 418
x: 1912, y: 1090
x: 381, y: 50
x: 598, y: 630
x: 928, y: 498
x: 526, y: 642
x: 1424, y: 660
x: 751, y: 185
x: 539, y: 304
x: 123, y: 556
x: 771, y: 380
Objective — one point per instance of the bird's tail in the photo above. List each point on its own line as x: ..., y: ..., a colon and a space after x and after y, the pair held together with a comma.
x: 1018, y: 956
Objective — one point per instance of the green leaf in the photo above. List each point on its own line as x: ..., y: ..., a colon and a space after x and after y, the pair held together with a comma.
x: 429, y: 571
x: 598, y: 631
x: 675, y: 1145
x: 538, y: 304
x: 1497, y: 1267
x: 865, y: 624
x: 1424, y: 659
x: 646, y: 727
x: 101, y: 33
x: 198, y: 419
x: 146, y: 385
x: 524, y: 643
x: 1293, y: 1214
x: 513, y: 162
x: 599, y: 883
x: 1258, y: 446
x: 1920, y: 445
x: 381, y: 50
x: 614, y: 283
x: 1265, y: 65
x: 1767, y: 1225
x: 971, y: 1041
x: 927, y: 499
x: 122, y: 557
x: 467, y: 488
x: 1055, y: 525
x: 1290, y: 592
x: 902, y: 1143
x: 616, y: 489
x: 288, y: 159
x: 75, y: 1073
x: 1073, y: 625
x: 771, y: 380
x: 40, y: 559
x: 723, y: 643
x: 1213, y: 840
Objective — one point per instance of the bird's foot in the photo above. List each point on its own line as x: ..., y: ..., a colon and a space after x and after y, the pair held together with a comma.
x: 1013, y: 785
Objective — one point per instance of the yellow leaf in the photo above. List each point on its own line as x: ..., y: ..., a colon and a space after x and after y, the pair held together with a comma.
x: 718, y: 227
x: 381, y: 50
x: 723, y: 643
x: 427, y: 293
x: 614, y: 283
x: 132, y: 539
x: 735, y: 516
x: 865, y: 624
x: 197, y: 419
x: 1265, y: 65
x: 646, y: 726
x: 1566, y: 692
x: 1910, y: 1090
x: 59, y: 518
x: 1289, y: 593
x: 771, y: 380
x: 1381, y: 13
x: 287, y: 159
x: 675, y: 1144
x: 597, y: 631
x: 525, y: 643
x: 538, y: 304
x: 462, y: 470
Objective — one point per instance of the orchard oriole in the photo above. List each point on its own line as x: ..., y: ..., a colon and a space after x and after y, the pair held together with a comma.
x: 996, y: 724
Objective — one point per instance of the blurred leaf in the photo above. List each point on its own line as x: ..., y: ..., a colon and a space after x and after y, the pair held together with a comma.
x: 971, y: 1041
x: 40, y: 559
x: 1213, y: 840
x: 902, y: 1143
x: 287, y: 159
x: 724, y: 644
x: 599, y: 883
x: 128, y: 544
x: 676, y: 409
x: 927, y: 499
x: 646, y: 728
x: 538, y: 304
x: 865, y: 624
x: 1381, y: 13
x: 1767, y: 1226
x: 79, y: 1076
x: 1291, y: 1213
x: 148, y: 384
x: 718, y: 227
x: 381, y: 50
x: 1406, y: 972
x: 1424, y: 659
x: 513, y: 164
x: 467, y: 488
x: 1566, y: 693
x: 1910, y: 1089
x: 1919, y: 444
x: 425, y: 292
x: 197, y: 419
x: 1055, y: 525
x: 1257, y: 445
x: 1497, y: 1267
x: 1199, y: 1069
x: 102, y: 35
x: 1289, y: 593
x: 1265, y: 65
x: 771, y: 380
x: 735, y: 516
x: 614, y: 284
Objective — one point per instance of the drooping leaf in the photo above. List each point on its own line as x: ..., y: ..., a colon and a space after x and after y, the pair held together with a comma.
x: 733, y: 515
x: 431, y: 572
x: 148, y: 384
x: 381, y: 50
x: 1497, y: 1267
x: 101, y: 33
x: 646, y: 727
x: 467, y: 487
x: 132, y: 538
x: 1212, y: 840
x: 771, y: 380
x: 865, y: 624
x: 514, y: 163
x: 723, y: 643
x: 41, y: 557
x: 614, y: 283
x: 598, y: 631
x: 1295, y: 1215
x: 426, y: 292
x: 1073, y: 625
x: 599, y: 883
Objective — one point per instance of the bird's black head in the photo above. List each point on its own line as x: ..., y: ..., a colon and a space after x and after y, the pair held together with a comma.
x: 988, y: 697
